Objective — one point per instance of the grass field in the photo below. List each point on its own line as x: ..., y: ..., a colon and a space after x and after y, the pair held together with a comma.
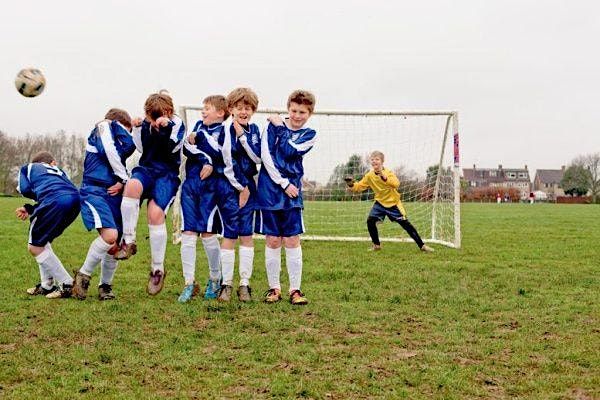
x: 514, y: 314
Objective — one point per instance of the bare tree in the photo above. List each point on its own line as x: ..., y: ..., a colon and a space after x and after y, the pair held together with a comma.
x: 591, y: 164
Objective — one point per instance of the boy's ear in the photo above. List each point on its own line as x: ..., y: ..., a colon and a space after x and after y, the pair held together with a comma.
x: 53, y: 163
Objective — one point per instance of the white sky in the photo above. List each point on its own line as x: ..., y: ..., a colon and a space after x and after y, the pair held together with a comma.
x: 524, y: 75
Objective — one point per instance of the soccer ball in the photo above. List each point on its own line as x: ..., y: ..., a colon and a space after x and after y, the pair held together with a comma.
x: 30, y: 82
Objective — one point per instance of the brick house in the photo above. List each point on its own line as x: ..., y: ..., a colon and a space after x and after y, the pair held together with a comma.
x: 548, y: 181
x: 499, y: 177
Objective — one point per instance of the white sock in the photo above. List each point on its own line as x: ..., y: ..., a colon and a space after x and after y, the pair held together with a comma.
x: 130, y: 210
x: 158, y: 245
x: 293, y: 261
x: 227, y: 265
x: 273, y: 264
x: 109, y: 266
x: 45, y: 277
x: 246, y: 264
x: 188, y: 257
x: 213, y: 253
x: 95, y: 254
x: 54, y: 267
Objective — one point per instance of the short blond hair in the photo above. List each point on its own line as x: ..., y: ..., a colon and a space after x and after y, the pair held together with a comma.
x: 377, y: 153
x: 244, y: 95
x: 219, y: 103
x: 302, y: 97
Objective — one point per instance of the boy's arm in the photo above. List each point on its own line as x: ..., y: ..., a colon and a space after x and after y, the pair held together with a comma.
x: 124, y: 140
x: 389, y: 178
x: 267, y: 141
x: 232, y: 174
x: 114, y: 159
x: 24, y: 184
x: 361, y: 185
x: 176, y: 130
x: 300, y: 146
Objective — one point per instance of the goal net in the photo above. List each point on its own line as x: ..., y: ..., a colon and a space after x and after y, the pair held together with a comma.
x: 420, y: 147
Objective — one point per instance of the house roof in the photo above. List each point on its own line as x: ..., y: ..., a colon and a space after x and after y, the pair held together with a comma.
x: 494, y: 175
x: 549, y: 175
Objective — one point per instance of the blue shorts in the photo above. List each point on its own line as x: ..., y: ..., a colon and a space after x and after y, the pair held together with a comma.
x: 160, y: 187
x: 380, y: 212
x: 99, y: 209
x: 281, y: 223
x: 210, y: 205
x: 50, y: 218
x: 247, y: 217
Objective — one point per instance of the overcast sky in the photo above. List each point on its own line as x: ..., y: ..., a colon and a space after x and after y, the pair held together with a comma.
x: 524, y: 75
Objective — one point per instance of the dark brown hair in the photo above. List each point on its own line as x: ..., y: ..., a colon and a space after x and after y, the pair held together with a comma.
x: 219, y: 103
x: 42, y: 157
x: 122, y: 116
x: 244, y: 95
x: 302, y: 97
x: 159, y: 105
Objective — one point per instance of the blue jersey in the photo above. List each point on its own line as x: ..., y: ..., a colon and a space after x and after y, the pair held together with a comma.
x: 282, y: 150
x: 247, y: 151
x: 41, y: 182
x: 161, y: 149
x: 214, y: 145
x: 108, y: 147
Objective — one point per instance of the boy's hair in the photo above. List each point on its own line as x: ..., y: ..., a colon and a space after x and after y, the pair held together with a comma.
x: 119, y: 115
x: 302, y: 97
x: 159, y: 105
x: 244, y: 95
x: 42, y: 157
x: 219, y: 103
x: 377, y: 153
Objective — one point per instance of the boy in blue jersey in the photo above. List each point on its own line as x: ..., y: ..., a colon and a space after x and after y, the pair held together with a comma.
x: 209, y: 195
x: 242, y: 103
x: 159, y: 138
x: 56, y: 208
x: 283, y: 146
x: 104, y: 177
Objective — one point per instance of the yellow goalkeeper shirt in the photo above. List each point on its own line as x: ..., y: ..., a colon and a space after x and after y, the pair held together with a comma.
x: 386, y: 192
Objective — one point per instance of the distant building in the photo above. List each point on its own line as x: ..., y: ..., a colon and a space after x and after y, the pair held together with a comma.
x: 499, y: 177
x: 548, y: 181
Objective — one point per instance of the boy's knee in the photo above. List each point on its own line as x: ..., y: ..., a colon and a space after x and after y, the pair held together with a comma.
x: 133, y: 188
x: 292, y: 241
x: 156, y: 215
x: 109, y: 235
x: 372, y: 221
x: 273, y: 242
x: 34, y: 250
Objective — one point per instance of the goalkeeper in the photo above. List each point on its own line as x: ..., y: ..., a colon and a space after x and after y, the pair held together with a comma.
x: 387, y: 200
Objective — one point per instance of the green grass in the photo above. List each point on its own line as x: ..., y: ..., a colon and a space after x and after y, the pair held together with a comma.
x: 513, y: 314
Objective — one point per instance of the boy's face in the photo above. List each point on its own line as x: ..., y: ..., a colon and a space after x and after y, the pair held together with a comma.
x: 210, y: 114
x: 376, y: 163
x: 298, y: 115
x: 241, y: 112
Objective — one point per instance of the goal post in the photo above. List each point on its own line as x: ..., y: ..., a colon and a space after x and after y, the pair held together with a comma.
x: 417, y: 147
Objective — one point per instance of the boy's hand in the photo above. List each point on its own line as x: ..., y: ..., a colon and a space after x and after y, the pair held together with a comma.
x: 115, y: 189
x: 275, y: 120
x: 244, y: 195
x: 21, y: 213
x: 349, y: 180
x: 291, y: 191
x: 162, y: 121
x: 205, y: 172
x: 191, y: 138
x: 239, y: 131
x: 137, y: 122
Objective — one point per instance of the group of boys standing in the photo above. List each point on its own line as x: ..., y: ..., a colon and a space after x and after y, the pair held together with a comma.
x: 220, y: 194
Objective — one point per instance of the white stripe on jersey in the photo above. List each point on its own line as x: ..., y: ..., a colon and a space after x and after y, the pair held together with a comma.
x: 253, y: 156
x: 29, y: 171
x: 195, y: 150
x: 91, y: 149
x: 136, y: 135
x: 228, y: 160
x: 267, y: 161
x: 175, y: 133
x: 97, y: 220
x: 303, y: 146
x: 103, y: 130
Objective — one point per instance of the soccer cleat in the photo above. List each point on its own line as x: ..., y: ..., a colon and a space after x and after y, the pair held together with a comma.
x: 189, y: 292
x: 105, y: 292
x: 63, y: 292
x: 225, y: 294
x: 81, y: 283
x: 125, y: 251
x: 156, y: 280
x: 39, y: 290
x: 426, y: 249
x: 272, y: 296
x: 244, y: 293
x: 297, y: 298
x: 375, y: 247
x: 212, y: 290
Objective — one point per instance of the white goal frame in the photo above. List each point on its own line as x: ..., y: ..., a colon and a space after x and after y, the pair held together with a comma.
x: 451, y: 128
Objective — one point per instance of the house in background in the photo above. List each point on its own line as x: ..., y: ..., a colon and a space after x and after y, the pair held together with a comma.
x: 548, y: 181
x: 501, y: 177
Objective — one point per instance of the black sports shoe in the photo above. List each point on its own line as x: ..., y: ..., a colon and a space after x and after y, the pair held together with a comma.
x: 105, y: 292
x: 63, y: 292
x: 39, y: 290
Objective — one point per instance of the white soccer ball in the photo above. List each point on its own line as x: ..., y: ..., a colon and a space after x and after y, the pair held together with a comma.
x: 30, y: 82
